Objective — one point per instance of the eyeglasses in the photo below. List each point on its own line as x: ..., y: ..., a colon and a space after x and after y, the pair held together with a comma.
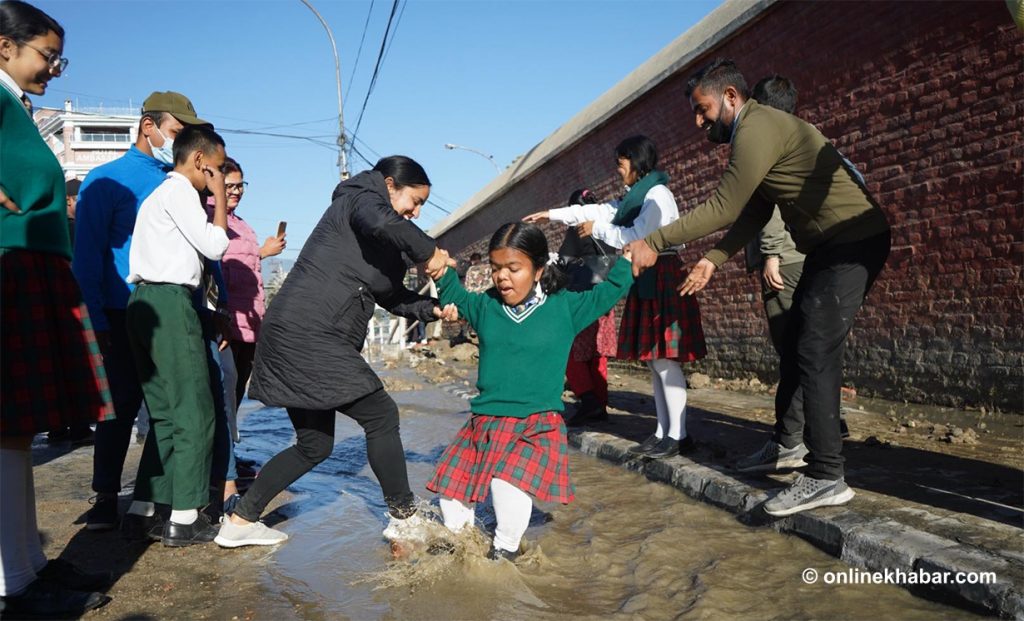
x: 232, y: 187
x: 56, y: 62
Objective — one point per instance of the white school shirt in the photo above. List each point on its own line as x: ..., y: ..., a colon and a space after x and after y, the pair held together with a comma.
x: 659, y: 209
x: 171, y: 232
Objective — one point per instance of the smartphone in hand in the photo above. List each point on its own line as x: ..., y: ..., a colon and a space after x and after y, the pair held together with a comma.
x: 281, y: 226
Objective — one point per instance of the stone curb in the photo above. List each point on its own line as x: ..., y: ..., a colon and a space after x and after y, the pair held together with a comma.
x: 875, y: 544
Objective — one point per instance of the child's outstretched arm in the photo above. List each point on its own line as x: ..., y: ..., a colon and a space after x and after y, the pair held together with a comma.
x: 450, y: 291
x: 589, y: 305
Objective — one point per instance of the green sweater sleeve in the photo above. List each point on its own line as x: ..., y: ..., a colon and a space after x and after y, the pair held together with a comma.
x: 451, y: 291
x: 587, y: 306
x: 756, y: 147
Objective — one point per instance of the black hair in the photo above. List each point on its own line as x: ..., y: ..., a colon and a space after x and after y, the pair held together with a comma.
x: 231, y: 165
x: 641, y: 153
x: 777, y: 92
x: 194, y: 138
x: 475, y: 257
x: 23, y: 22
x: 530, y: 240
x: 715, y: 77
x: 584, y: 196
x: 156, y: 117
x: 404, y: 170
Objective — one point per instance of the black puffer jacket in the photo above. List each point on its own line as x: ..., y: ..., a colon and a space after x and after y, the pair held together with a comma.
x: 308, y: 352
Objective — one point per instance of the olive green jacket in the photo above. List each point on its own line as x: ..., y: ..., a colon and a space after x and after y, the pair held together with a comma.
x: 777, y: 159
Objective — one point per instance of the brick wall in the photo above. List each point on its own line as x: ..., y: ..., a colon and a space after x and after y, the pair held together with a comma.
x: 926, y: 99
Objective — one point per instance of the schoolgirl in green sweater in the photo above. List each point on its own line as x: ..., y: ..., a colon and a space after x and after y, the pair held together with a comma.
x: 514, y: 444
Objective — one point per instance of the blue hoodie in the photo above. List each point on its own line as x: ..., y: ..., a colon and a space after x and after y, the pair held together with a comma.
x: 108, y: 202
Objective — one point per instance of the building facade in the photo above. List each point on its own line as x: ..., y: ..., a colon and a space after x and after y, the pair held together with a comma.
x: 924, y: 97
x: 84, y: 138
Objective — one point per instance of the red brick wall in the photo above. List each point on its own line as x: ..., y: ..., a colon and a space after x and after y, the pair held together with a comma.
x: 926, y: 99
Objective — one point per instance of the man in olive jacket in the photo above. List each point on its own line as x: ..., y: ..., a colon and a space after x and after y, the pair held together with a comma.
x: 777, y: 159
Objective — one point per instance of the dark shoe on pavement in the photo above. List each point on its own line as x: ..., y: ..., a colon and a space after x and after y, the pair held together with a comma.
x: 57, y: 436
x: 181, y: 535
x: 142, y: 528
x: 644, y: 447
x: 82, y: 435
x: 45, y: 600
x: 67, y: 575
x: 497, y: 554
x: 103, y: 514
x: 670, y: 447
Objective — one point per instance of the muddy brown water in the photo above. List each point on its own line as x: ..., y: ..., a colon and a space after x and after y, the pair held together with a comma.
x: 626, y: 548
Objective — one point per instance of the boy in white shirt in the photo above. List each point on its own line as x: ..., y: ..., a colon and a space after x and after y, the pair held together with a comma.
x: 171, y: 238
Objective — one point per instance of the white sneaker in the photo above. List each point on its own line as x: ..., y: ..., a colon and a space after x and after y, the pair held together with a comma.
x: 412, y: 529
x: 232, y: 535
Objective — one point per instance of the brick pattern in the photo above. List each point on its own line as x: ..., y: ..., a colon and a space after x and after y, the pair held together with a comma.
x: 925, y: 98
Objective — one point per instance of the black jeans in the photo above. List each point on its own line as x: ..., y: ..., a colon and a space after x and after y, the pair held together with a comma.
x: 377, y: 413
x: 114, y: 436
x: 836, y: 279
x: 243, y: 354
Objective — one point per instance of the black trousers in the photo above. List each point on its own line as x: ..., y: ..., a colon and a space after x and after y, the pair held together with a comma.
x: 835, y: 281
x: 377, y: 413
x: 243, y: 354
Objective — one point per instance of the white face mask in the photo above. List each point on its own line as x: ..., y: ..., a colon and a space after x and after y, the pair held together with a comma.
x: 163, y: 154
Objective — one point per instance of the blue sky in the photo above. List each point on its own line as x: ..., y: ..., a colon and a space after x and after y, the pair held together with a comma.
x: 495, y: 76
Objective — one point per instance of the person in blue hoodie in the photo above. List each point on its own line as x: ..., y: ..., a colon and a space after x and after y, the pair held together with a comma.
x: 108, y: 202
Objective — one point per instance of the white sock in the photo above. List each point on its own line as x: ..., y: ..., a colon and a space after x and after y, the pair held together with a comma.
x: 512, y: 507
x: 184, y: 517
x: 143, y: 508
x: 673, y: 384
x: 456, y: 514
x: 21, y: 554
x: 660, y: 407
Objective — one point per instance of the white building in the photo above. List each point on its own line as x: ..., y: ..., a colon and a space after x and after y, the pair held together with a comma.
x: 84, y: 138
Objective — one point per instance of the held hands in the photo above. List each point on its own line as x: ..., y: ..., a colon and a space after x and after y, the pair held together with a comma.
x: 698, y: 278
x: 537, y: 218
x: 772, y: 276
x: 438, y: 264
x: 585, y: 229
x: 7, y: 203
x: 642, y: 256
x: 273, y: 246
x: 448, y: 313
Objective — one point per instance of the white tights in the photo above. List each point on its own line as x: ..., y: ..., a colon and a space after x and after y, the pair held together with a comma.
x: 21, y: 554
x: 512, y: 507
x: 669, y: 386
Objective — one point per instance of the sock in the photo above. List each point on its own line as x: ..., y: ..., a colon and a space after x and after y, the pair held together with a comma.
x: 673, y: 383
x: 143, y: 508
x: 512, y: 507
x: 456, y: 514
x: 660, y: 407
x: 184, y: 517
x: 19, y: 538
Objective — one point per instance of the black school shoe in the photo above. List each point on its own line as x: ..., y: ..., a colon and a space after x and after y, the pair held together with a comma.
x: 670, y: 447
x: 497, y: 554
x: 646, y: 446
x: 142, y: 528
x: 64, y: 574
x: 181, y: 535
x: 46, y: 600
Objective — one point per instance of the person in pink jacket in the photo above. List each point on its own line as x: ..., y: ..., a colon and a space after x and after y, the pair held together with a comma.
x: 241, y: 268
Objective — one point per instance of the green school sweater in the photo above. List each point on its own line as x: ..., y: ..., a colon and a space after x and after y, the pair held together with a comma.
x: 32, y: 177
x: 522, y: 360
x: 778, y: 159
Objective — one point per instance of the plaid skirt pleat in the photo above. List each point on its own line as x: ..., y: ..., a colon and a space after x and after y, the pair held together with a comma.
x: 597, y: 339
x: 531, y: 453
x: 53, y: 373
x: 666, y: 327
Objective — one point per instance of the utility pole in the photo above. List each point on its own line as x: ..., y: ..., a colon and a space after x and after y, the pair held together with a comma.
x: 342, y: 156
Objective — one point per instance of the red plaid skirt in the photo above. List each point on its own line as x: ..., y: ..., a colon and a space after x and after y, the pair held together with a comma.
x: 531, y: 453
x: 667, y: 327
x: 597, y: 339
x: 53, y: 373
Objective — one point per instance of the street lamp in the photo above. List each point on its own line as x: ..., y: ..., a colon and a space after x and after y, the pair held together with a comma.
x: 342, y: 158
x: 489, y: 158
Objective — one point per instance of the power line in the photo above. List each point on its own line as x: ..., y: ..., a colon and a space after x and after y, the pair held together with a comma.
x: 377, y: 65
x: 359, y: 53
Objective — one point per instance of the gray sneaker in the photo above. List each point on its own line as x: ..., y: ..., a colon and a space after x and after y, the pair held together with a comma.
x: 807, y: 493
x: 773, y: 456
x: 232, y: 535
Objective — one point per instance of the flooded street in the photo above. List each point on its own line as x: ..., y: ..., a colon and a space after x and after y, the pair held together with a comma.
x: 626, y: 548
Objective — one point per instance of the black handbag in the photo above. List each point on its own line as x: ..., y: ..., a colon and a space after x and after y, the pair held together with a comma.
x: 586, y: 271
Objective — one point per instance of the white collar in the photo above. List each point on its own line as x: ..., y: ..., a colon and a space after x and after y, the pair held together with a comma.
x: 7, y: 81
